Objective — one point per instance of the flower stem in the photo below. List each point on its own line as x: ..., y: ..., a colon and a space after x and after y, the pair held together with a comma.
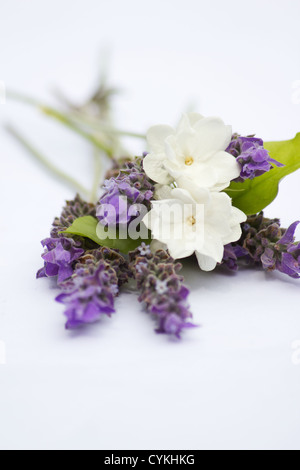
x: 62, y: 118
x: 101, y: 127
x: 68, y: 120
x: 45, y: 162
x: 97, y: 175
x: 22, y: 98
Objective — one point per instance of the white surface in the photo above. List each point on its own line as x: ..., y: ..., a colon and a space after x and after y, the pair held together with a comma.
x: 231, y: 383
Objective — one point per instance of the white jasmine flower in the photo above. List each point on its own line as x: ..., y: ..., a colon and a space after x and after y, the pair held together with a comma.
x: 195, y: 220
x: 195, y: 150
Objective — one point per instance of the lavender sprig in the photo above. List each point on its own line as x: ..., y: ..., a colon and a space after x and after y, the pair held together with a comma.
x: 113, y: 258
x: 73, y: 209
x: 265, y: 243
x: 91, y: 291
x: 59, y: 257
x: 128, y: 191
x: 88, y: 296
x: 161, y: 289
x: 252, y: 156
x: 61, y: 250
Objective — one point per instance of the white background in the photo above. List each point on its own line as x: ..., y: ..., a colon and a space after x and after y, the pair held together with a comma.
x: 117, y: 385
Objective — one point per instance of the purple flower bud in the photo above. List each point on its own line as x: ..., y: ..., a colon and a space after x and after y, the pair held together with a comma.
x: 289, y: 265
x: 252, y: 156
x: 289, y: 235
x: 59, y: 258
x: 268, y: 260
x: 232, y: 253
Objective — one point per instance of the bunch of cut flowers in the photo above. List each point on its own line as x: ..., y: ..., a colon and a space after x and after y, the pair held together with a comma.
x: 198, y: 190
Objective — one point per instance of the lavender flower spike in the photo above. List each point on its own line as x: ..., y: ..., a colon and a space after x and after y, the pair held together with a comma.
x: 88, y: 296
x: 59, y: 258
x: 252, y: 156
x: 161, y: 289
x: 72, y: 210
x: 265, y: 243
x: 131, y: 185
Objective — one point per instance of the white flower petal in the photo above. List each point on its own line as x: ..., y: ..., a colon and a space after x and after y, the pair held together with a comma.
x: 213, y: 245
x: 156, y: 136
x: 199, y: 194
x: 178, y: 250
x: 205, y: 262
x: 212, y: 135
x: 183, y: 195
x: 194, y: 118
x: 226, y: 165
x: 234, y: 235
x: 237, y: 216
x: 188, y: 121
x: 162, y: 191
x: 184, y: 124
x: 203, y: 174
x: 173, y: 152
x: 154, y: 168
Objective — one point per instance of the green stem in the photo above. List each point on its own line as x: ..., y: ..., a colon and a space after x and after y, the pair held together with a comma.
x: 22, y: 98
x: 97, y: 175
x: 45, y: 162
x: 68, y: 121
x: 135, y: 135
x: 100, y: 127
x: 62, y: 118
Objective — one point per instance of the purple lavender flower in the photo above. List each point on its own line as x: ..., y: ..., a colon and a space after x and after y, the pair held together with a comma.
x: 232, y: 253
x: 89, y: 294
x: 252, y: 156
x: 72, y: 210
x: 265, y: 243
x: 161, y: 289
x: 117, y: 166
x: 113, y: 258
x: 59, y: 258
x: 61, y: 250
x: 289, y: 234
x: 289, y: 261
x: 126, y: 194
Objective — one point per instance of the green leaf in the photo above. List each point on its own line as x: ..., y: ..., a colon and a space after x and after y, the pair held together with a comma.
x: 253, y: 196
x: 89, y: 227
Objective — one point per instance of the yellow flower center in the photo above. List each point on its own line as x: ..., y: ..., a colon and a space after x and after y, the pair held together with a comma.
x: 191, y: 221
x: 189, y: 161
